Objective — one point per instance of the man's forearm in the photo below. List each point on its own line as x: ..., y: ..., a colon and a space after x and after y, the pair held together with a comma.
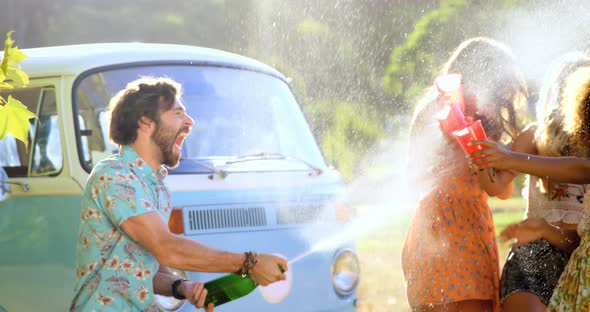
x: 171, y: 250
x: 186, y: 254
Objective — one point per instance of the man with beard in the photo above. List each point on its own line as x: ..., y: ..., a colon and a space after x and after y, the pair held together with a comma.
x: 124, y: 245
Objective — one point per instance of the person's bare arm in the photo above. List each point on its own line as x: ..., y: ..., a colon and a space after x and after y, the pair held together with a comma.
x: 498, y: 182
x: 532, y: 229
x: 150, y: 230
x: 564, y: 239
x: 194, y: 292
x: 560, y: 169
x: 525, y: 141
x: 163, y: 281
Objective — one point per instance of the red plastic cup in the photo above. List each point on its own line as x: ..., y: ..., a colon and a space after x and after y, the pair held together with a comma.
x: 473, y: 132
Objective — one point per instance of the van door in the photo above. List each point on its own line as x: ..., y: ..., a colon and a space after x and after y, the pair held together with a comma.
x: 39, y: 216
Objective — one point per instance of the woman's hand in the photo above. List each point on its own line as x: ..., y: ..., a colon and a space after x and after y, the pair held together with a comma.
x: 493, y: 155
x: 525, y: 231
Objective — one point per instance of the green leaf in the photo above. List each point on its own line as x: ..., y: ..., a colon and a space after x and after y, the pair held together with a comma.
x: 4, y: 85
x: 19, y: 77
x: 10, y: 64
x: 7, y: 47
x: 14, y: 119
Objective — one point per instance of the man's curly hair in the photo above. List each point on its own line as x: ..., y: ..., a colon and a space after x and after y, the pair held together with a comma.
x: 144, y: 97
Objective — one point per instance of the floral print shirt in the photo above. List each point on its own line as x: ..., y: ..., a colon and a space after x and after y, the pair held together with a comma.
x: 113, y: 272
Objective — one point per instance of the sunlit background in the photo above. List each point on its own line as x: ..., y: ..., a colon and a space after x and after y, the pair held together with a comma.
x: 357, y: 67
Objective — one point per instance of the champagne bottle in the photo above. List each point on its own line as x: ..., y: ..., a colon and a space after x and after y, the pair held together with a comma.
x: 229, y: 287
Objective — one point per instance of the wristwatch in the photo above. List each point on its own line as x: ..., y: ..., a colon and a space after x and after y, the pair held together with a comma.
x: 175, y: 285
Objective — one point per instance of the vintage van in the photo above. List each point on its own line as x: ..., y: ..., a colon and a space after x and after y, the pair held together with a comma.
x: 251, y: 176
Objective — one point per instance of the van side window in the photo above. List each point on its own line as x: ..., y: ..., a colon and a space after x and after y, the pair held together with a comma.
x: 92, y: 100
x: 43, y: 156
x: 47, y: 155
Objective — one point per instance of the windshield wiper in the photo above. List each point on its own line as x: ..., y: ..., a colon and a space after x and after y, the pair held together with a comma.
x: 256, y: 156
x: 221, y: 173
x: 264, y: 156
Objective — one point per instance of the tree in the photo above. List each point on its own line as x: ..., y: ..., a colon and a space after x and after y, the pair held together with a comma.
x: 31, y: 19
x: 414, y: 63
x: 14, y: 116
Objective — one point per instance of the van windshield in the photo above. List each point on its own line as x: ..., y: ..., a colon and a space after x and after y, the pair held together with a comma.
x: 237, y: 112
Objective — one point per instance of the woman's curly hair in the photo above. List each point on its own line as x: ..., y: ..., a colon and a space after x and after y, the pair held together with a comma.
x: 550, y: 137
x: 576, y: 111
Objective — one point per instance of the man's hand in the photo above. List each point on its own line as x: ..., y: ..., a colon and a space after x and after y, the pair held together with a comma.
x: 195, y: 293
x: 266, y: 270
x: 525, y: 231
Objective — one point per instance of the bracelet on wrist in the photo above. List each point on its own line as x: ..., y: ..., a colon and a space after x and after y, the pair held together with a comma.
x: 249, y: 262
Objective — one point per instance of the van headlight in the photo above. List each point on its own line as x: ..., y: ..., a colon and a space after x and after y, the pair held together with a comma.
x: 345, y: 272
x: 171, y: 303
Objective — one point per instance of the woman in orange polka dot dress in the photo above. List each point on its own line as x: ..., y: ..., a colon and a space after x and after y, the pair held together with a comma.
x: 450, y: 256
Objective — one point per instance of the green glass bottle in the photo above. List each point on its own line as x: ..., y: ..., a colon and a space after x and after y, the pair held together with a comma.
x: 229, y: 287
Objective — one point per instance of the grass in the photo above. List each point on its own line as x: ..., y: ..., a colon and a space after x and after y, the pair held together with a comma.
x: 513, y: 204
x: 382, y: 287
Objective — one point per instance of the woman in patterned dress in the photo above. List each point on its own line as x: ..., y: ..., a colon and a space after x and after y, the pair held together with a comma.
x: 450, y: 256
x: 547, y: 236
x: 572, y: 292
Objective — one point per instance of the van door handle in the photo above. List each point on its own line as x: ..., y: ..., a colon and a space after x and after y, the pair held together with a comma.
x: 24, y: 186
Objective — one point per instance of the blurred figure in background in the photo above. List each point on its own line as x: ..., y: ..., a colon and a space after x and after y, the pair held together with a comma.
x: 450, y: 257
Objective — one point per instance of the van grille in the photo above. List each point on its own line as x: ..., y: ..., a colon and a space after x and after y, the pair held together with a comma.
x: 301, y: 214
x: 206, y: 219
